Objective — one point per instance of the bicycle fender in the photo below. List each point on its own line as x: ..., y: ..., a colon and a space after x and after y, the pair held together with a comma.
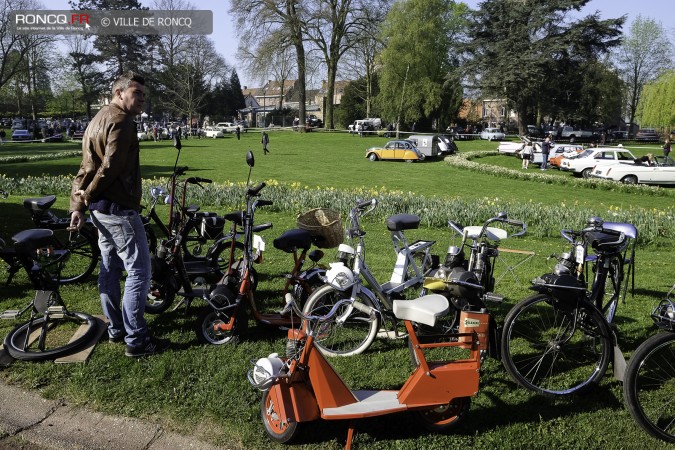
x: 295, y: 402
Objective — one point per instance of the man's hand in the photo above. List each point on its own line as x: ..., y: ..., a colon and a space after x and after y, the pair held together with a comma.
x: 77, y: 221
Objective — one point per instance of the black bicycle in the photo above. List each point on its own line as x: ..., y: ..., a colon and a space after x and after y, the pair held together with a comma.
x: 649, y: 382
x: 559, y: 341
x: 51, y: 331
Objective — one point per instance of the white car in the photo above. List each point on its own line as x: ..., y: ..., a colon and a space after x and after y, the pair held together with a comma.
x: 513, y: 148
x: 213, y: 132
x: 638, y: 172
x: 492, y: 134
x: 584, y: 163
x: 227, y: 127
x: 557, y: 150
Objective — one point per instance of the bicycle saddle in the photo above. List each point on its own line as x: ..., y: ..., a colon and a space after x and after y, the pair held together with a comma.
x: 236, y: 217
x: 27, y: 241
x: 423, y: 310
x: 39, y: 203
x: 291, y: 240
x: 400, y: 222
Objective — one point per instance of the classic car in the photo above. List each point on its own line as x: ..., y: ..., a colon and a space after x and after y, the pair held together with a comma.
x: 654, y: 172
x: 492, y: 134
x: 395, y: 150
x: 213, y: 132
x: 513, y: 148
x: 586, y: 161
x: 22, y: 135
x: 647, y: 135
x: 557, y: 153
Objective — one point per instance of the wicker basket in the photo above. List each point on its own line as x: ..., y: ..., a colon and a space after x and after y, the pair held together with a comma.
x: 324, y: 225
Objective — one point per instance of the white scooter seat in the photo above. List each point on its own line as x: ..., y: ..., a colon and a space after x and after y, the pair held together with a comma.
x: 423, y: 310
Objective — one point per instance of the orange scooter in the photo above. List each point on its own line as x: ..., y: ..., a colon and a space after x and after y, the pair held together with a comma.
x: 303, y: 386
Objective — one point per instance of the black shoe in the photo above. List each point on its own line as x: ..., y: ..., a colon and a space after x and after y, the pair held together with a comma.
x: 151, y: 347
x: 117, y: 339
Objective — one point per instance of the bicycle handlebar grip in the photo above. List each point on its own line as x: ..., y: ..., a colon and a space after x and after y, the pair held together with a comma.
x: 515, y: 223
x: 366, y: 204
x: 195, y: 180
x: 180, y: 170
x: 264, y: 203
x: 262, y: 226
x: 255, y: 189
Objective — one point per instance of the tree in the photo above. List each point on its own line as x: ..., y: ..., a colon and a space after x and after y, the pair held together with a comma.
x: 415, y: 63
x: 354, y: 105
x: 82, y: 62
x: 258, y: 18
x: 657, y: 102
x: 524, y: 50
x: 643, y: 56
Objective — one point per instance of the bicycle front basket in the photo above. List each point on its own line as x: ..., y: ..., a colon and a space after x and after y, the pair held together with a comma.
x: 325, y: 226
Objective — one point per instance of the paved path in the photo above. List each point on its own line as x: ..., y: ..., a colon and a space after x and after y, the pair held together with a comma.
x: 29, y: 422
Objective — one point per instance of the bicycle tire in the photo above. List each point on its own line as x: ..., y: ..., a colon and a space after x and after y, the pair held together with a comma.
x: 444, y: 418
x: 278, y: 428
x: 161, y: 295
x: 541, y: 355
x: 221, y: 256
x: 208, y: 317
x: 193, y: 243
x: 351, y: 337
x: 84, y: 254
x: 14, y: 340
x: 151, y: 237
x: 647, y: 386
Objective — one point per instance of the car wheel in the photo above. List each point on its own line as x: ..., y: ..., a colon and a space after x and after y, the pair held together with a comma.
x: 422, y: 156
x: 629, y: 179
x: 372, y: 157
x: 573, y: 139
x: 586, y: 173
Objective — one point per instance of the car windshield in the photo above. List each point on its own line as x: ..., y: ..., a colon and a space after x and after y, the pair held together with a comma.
x: 586, y: 153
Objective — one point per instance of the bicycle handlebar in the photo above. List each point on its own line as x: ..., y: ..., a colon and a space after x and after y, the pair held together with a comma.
x: 197, y: 180
x: 260, y: 203
x: 292, y: 306
x: 252, y: 192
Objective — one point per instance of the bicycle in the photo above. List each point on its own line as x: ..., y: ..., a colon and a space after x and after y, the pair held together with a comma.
x: 82, y: 244
x: 224, y: 319
x: 46, y: 334
x: 647, y: 387
x: 357, y: 325
x: 468, y: 284
x: 559, y: 341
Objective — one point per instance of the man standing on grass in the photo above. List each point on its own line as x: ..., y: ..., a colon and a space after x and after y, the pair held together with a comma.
x: 109, y: 185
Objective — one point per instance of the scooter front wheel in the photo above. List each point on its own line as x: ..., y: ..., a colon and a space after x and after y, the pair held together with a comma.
x: 278, y: 428
x: 209, y: 321
x: 442, y: 418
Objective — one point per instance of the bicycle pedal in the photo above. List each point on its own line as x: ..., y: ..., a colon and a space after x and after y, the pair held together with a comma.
x: 56, y: 311
x: 10, y: 314
x: 492, y: 297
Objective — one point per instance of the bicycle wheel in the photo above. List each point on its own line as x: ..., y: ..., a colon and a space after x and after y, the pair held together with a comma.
x: 552, y: 350
x: 277, y: 428
x: 25, y: 342
x: 209, y: 319
x: 221, y: 255
x: 445, y: 417
x: 612, y: 288
x: 343, y: 335
x: 84, y: 254
x: 194, y: 244
x: 649, y: 386
x: 161, y: 295
x: 152, y: 238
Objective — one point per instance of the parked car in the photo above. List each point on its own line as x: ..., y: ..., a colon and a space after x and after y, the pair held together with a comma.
x: 459, y: 133
x: 513, y: 148
x: 569, y: 151
x: 534, y: 131
x: 492, y: 134
x: 446, y: 145
x: 213, y: 132
x: 22, y: 135
x: 557, y: 151
x: 647, y: 135
x: 314, y: 121
x: 395, y: 150
x: 638, y: 171
x: 593, y: 157
x: 573, y: 135
x: 225, y: 127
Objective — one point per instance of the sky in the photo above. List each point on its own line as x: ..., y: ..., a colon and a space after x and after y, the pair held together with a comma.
x: 226, y: 41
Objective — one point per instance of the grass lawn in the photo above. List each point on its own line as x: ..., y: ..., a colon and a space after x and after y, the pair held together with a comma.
x: 203, y: 390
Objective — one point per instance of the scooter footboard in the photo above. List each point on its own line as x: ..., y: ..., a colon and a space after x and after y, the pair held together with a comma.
x: 444, y: 382
x: 294, y: 402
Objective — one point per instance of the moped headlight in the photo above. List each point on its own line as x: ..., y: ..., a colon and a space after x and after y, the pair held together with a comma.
x: 265, y: 371
x: 339, y: 276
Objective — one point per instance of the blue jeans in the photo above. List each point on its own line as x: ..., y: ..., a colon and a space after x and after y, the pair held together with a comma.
x: 544, y: 160
x: 124, y: 247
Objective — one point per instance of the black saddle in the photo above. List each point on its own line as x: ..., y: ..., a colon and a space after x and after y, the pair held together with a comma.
x: 39, y: 203
x: 27, y: 241
x: 291, y: 240
x: 399, y: 222
x: 236, y: 217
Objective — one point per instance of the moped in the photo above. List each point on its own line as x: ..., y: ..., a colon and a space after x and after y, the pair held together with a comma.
x: 303, y: 386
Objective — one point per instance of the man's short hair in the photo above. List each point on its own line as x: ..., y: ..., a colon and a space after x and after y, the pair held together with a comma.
x: 123, y: 81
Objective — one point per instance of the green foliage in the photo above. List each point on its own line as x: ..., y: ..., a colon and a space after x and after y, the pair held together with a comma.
x: 657, y: 103
x: 418, y: 36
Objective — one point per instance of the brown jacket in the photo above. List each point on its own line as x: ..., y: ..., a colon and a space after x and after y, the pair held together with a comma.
x: 110, y: 166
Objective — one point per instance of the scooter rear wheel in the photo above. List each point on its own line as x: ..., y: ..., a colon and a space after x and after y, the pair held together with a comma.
x: 442, y: 418
x: 277, y: 428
